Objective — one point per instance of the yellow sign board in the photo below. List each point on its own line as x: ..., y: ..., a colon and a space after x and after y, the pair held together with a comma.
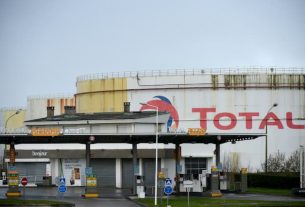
x: 13, y: 182
x: 91, y: 181
x: 161, y: 175
x: 13, y: 179
x: 214, y: 169
x: 55, y: 131
x: 244, y: 170
x: 196, y: 131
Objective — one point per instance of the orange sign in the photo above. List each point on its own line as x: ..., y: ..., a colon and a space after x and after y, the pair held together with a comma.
x: 196, y: 131
x: 12, y: 155
x: 46, y: 131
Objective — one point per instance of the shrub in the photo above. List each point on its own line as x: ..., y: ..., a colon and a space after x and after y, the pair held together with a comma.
x: 274, y: 180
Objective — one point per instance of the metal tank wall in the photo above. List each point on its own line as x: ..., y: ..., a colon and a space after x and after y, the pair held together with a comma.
x: 191, y: 91
x: 37, y: 106
x: 15, y: 122
x: 101, y: 95
x: 233, y: 93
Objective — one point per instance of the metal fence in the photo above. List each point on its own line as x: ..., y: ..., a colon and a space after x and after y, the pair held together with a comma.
x: 179, y: 72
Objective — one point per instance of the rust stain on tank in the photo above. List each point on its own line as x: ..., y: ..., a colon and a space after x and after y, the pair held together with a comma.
x: 227, y: 81
x: 215, y: 81
x: 232, y: 81
x: 273, y: 80
x: 295, y: 81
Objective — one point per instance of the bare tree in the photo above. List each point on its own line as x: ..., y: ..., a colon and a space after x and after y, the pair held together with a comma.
x: 225, y: 162
x: 235, y: 162
x: 231, y: 165
x: 292, y: 164
x: 231, y: 162
x: 278, y: 163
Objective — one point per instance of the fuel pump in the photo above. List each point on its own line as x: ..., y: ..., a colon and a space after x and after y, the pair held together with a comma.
x: 199, y: 181
x: 140, y: 186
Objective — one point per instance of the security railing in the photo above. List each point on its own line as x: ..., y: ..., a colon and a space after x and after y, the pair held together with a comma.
x: 178, y: 72
x: 8, y: 131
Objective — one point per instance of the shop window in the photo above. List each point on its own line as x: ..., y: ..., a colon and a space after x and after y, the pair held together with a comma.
x: 194, y: 167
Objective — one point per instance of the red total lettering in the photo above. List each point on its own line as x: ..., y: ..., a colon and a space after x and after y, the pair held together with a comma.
x: 276, y: 121
x: 290, y: 124
x: 203, y: 115
x: 232, y: 121
x: 249, y: 120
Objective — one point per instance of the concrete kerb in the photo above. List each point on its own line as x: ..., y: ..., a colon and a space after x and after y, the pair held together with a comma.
x: 133, y: 199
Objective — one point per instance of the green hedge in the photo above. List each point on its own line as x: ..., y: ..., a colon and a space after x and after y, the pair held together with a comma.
x: 274, y: 180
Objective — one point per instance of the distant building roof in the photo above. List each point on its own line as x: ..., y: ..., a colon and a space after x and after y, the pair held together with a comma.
x: 99, y: 116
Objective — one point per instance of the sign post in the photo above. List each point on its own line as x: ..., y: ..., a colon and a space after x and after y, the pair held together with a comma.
x: 168, y: 189
x: 91, y: 183
x: 62, y: 186
x: 24, y: 182
x: 188, y: 184
x: 13, y: 182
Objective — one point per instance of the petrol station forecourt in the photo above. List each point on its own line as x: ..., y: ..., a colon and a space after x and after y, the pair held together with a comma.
x: 110, y: 125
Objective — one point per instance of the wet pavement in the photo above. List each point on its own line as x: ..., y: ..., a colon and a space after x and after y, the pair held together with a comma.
x: 108, y: 197
x: 118, y: 197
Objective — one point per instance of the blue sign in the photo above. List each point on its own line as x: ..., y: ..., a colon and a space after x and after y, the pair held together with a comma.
x: 219, y: 167
x: 88, y: 171
x: 168, y: 182
x: 62, y: 189
x: 12, y: 168
x: 62, y: 181
x: 168, y: 190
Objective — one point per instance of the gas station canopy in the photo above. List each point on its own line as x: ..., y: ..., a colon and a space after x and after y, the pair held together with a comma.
x: 127, y: 138
x: 61, y: 129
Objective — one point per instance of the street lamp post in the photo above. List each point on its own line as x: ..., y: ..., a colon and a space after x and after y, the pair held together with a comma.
x: 5, y: 126
x: 266, y: 137
x: 156, y: 146
x: 5, y: 132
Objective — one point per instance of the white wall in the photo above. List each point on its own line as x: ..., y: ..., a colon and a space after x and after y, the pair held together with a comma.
x: 233, y: 101
x: 69, y: 165
x: 252, y: 152
x: 170, y: 165
x: 118, y: 173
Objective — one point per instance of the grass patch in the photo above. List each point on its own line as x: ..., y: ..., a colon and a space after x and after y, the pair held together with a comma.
x: 270, y: 191
x: 23, y: 202
x: 217, y: 202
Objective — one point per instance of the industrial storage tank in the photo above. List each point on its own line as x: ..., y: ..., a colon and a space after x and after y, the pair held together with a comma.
x: 268, y: 101
x: 101, y: 94
x: 11, y: 119
x: 37, y: 105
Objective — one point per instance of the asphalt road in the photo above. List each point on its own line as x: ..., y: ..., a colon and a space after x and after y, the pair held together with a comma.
x: 101, y: 202
x: 108, y: 197
x: 118, y: 197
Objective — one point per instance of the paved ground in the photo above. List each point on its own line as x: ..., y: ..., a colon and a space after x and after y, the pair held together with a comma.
x: 108, y: 197
x: 118, y: 197
x: 101, y: 202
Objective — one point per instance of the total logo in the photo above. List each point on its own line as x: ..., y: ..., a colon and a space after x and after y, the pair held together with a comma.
x: 163, y: 104
x: 271, y: 119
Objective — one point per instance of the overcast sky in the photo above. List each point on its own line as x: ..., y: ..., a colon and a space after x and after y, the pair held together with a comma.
x: 45, y: 45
